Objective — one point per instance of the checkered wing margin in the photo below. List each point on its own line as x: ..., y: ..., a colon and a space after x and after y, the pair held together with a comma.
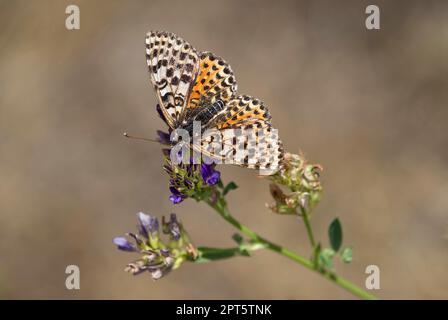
x: 173, y: 65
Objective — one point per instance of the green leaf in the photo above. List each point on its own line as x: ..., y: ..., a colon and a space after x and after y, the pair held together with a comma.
x: 231, y: 186
x: 347, y: 255
x: 238, y: 238
x: 335, y: 234
x: 326, y: 257
x: 220, y: 185
x: 211, y: 254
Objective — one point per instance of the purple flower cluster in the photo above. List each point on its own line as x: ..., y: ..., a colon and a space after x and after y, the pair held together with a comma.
x: 185, y: 178
x: 157, y: 257
x: 181, y: 186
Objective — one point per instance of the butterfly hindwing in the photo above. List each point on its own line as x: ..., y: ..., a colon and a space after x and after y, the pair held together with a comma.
x: 241, y: 110
x: 173, y: 65
x: 186, y: 82
x: 255, y: 146
x: 244, y: 124
x: 266, y: 153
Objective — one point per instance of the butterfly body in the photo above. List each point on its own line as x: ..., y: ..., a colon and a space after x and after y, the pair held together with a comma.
x: 203, y: 116
x: 200, y: 86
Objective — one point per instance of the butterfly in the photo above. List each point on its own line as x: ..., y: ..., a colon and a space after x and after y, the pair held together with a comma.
x: 200, y: 86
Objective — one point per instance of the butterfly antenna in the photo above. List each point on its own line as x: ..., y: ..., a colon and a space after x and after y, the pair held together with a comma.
x: 139, y: 138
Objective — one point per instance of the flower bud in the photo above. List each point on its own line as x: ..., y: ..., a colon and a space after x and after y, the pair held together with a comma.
x: 157, y: 257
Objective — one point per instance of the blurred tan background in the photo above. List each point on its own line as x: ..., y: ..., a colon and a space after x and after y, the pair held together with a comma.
x: 370, y: 106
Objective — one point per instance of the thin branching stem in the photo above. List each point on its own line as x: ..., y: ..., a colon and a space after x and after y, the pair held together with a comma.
x: 220, y: 206
x: 306, y: 219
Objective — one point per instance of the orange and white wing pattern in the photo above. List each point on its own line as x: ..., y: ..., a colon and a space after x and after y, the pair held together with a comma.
x: 215, y: 81
x: 259, y: 148
x: 241, y: 110
x: 261, y: 141
x: 173, y: 65
x: 189, y: 84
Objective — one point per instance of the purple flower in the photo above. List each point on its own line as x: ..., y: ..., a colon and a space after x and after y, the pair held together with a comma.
x: 209, y: 174
x: 123, y: 244
x: 157, y: 256
x: 163, y: 137
x: 178, y: 157
x: 174, y: 227
x: 176, y: 196
x: 147, y: 225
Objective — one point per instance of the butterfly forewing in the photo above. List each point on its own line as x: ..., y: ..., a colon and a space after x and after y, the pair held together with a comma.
x: 187, y: 83
x: 215, y: 81
x: 173, y: 65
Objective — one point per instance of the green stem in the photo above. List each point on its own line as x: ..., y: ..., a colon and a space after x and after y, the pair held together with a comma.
x: 309, y: 230
x: 221, y: 207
